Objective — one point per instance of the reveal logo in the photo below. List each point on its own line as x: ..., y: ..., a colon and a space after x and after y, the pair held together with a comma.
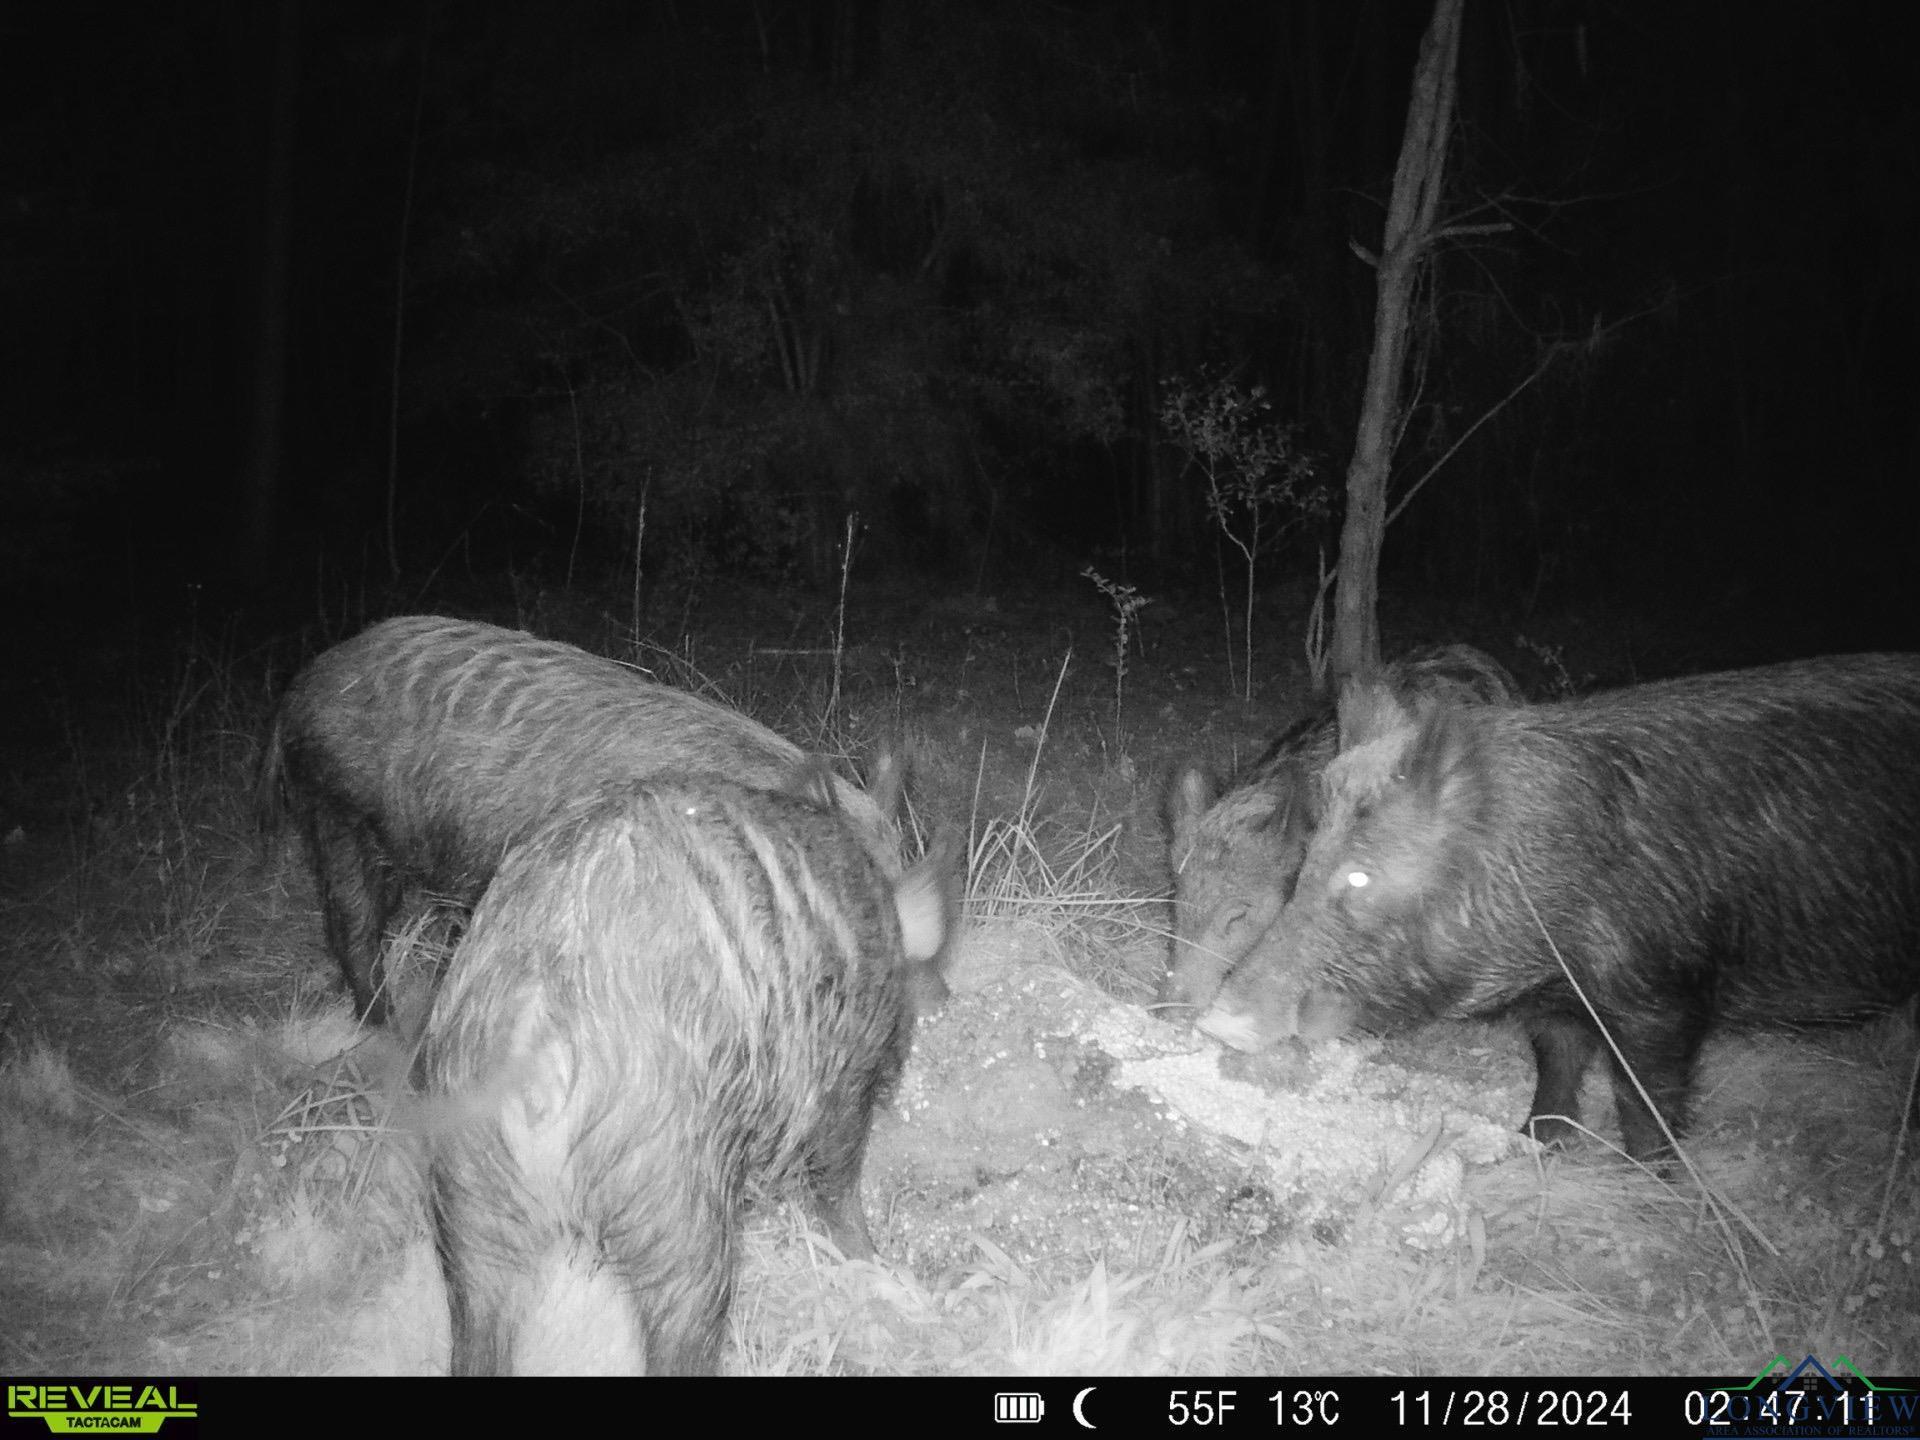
x: 102, y: 1408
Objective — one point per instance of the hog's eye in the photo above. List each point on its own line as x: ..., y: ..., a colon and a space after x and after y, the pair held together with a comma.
x: 1358, y: 879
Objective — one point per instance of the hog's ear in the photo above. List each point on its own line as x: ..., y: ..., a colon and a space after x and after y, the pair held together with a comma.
x: 811, y: 780
x: 1295, y: 801
x: 886, y: 783
x: 1189, y: 797
x: 1368, y: 710
x: 1441, y: 761
x: 927, y: 899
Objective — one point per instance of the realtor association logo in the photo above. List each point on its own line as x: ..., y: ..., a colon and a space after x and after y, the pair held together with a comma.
x: 1806, y: 1399
x: 101, y: 1408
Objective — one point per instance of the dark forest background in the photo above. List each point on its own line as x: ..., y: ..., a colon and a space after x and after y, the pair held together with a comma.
x: 758, y: 265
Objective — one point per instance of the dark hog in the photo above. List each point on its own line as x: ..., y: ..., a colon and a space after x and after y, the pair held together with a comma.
x: 414, y: 755
x: 1235, y: 854
x: 1741, y: 848
x: 684, y: 991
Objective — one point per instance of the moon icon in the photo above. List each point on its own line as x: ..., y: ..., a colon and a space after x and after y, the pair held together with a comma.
x: 1080, y: 1414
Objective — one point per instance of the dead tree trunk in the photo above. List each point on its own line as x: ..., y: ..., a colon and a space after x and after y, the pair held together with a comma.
x: 1410, y: 233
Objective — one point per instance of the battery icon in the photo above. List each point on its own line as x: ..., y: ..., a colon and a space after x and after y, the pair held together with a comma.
x: 1017, y: 1407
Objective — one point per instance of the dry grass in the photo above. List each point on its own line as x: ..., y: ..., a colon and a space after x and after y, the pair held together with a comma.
x: 205, y: 1168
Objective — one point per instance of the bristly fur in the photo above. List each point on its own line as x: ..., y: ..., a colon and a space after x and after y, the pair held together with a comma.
x: 1235, y: 855
x: 679, y: 992
x: 416, y: 754
x: 1741, y: 847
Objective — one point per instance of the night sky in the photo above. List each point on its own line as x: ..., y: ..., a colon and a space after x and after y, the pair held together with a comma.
x: 758, y: 265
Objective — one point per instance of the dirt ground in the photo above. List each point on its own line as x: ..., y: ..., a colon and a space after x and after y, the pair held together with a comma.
x: 205, y: 1168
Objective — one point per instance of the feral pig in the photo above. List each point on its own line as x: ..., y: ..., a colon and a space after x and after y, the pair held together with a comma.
x: 1235, y: 855
x: 418, y: 752
x: 1740, y: 848
x: 671, y: 995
